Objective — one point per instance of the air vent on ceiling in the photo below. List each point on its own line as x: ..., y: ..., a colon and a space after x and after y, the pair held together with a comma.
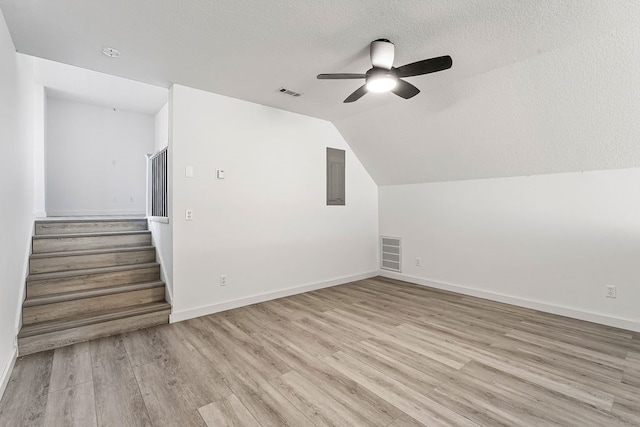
x: 289, y: 92
x: 390, y: 253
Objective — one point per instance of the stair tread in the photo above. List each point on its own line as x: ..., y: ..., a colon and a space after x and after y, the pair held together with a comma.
x: 91, y: 234
x: 88, y: 220
x: 90, y: 293
x: 88, y: 319
x: 34, y: 277
x: 91, y: 251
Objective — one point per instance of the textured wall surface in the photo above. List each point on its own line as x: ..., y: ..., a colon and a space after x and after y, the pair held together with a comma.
x: 570, y: 109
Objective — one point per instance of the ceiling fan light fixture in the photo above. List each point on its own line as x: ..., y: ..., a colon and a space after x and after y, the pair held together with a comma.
x: 384, y: 77
x: 381, y: 82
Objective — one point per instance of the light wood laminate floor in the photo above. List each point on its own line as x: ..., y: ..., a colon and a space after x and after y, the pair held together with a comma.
x: 371, y: 353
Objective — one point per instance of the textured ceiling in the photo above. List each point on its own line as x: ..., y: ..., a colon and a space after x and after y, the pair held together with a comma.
x: 536, y: 87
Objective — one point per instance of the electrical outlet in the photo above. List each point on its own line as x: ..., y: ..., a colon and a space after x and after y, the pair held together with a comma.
x: 611, y: 291
x: 418, y: 262
x: 188, y: 214
x: 223, y: 280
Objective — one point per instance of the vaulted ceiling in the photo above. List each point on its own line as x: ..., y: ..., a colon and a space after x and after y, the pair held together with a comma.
x: 536, y: 87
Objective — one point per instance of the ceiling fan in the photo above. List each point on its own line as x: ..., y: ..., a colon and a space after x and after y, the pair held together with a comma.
x: 384, y: 77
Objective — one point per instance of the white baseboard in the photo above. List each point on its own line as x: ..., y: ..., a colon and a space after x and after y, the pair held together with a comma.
x: 160, y: 219
x: 156, y: 231
x: 616, y: 322
x: 133, y: 212
x: 25, y: 273
x: 254, y: 299
x: 6, y: 372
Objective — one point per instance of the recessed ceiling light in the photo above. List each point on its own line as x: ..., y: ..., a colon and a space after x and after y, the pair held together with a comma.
x: 111, y: 52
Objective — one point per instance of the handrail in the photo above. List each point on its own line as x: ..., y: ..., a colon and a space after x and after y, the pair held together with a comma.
x: 153, y: 156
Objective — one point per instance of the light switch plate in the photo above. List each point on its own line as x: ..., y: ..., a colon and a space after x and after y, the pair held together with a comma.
x: 188, y: 171
x: 220, y: 174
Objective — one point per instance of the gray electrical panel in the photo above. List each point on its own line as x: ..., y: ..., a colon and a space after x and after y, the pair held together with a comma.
x: 335, y: 177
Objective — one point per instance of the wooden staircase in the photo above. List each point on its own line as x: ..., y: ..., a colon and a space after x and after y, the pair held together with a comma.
x: 89, y: 279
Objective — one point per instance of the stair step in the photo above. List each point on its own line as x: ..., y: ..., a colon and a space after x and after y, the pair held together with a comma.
x: 66, y: 226
x: 88, y: 252
x: 103, y: 316
x: 78, y: 295
x: 54, y: 334
x: 90, y: 278
x: 94, y: 258
x: 86, y: 241
x: 62, y: 306
x: 76, y: 280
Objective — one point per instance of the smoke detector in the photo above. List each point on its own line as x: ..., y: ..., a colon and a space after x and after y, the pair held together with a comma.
x: 111, y: 52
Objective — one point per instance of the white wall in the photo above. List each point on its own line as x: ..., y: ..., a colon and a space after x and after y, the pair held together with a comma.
x: 16, y: 193
x: 161, y: 128
x: 549, y: 242
x: 39, y: 143
x: 266, y: 225
x: 94, y: 154
x: 162, y: 230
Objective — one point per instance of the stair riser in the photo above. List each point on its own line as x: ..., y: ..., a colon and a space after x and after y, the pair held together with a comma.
x: 89, y: 227
x: 62, y: 244
x: 61, y: 310
x: 92, y: 281
x: 79, y: 262
x: 58, y: 339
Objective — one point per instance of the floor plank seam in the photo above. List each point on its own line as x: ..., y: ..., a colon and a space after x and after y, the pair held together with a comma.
x: 135, y: 377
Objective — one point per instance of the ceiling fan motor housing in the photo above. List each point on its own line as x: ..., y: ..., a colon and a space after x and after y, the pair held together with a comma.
x: 382, y: 53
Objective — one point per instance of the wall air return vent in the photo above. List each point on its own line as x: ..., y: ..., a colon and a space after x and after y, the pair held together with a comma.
x: 391, y: 253
x: 289, y: 92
